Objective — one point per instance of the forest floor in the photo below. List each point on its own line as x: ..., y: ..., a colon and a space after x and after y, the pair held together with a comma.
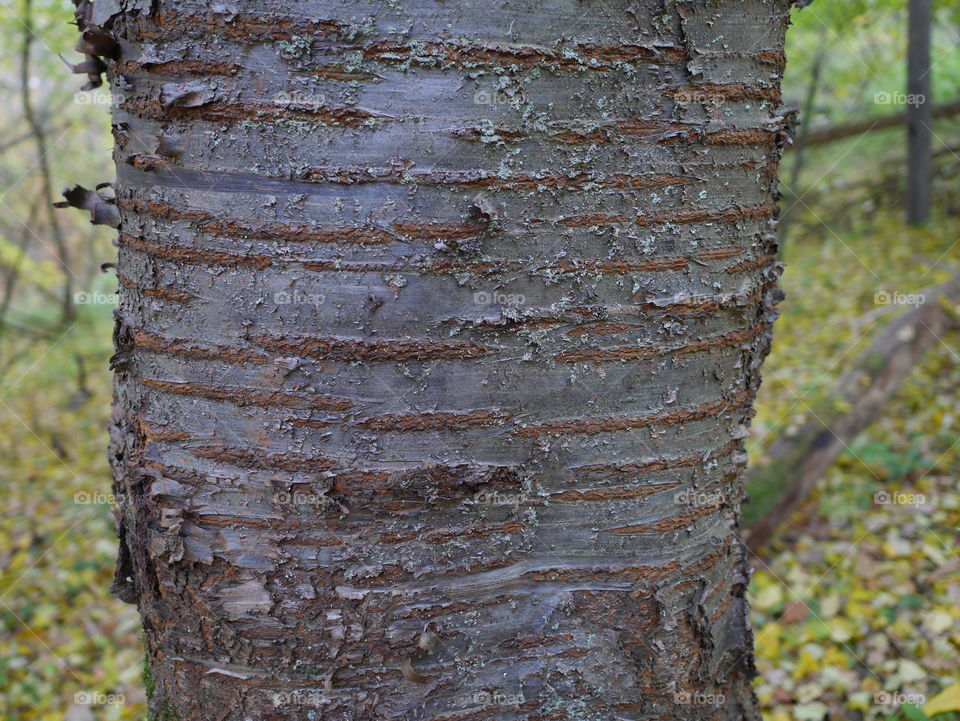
x: 857, y: 606
x: 859, y: 602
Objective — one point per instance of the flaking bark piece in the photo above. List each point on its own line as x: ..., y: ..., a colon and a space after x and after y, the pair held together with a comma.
x: 103, y: 210
x: 429, y: 639
x: 122, y: 342
x: 93, y: 67
x: 187, y: 95
x: 95, y: 42
x: 124, y: 585
x: 483, y: 208
x: 170, y: 146
x: 83, y: 13
x: 98, y: 42
x: 411, y: 674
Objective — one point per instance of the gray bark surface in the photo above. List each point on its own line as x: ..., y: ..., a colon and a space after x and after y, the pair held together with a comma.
x: 439, y: 331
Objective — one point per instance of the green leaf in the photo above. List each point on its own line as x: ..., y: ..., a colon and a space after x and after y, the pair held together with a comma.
x: 913, y: 713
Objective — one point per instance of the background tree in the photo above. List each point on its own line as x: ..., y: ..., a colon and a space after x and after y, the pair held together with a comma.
x: 919, y: 113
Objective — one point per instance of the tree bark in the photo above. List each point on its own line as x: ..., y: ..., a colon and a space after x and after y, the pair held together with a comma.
x: 439, y: 332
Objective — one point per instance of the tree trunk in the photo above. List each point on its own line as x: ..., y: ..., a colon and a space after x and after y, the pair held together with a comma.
x: 38, y: 131
x: 439, y: 331
x: 919, y: 113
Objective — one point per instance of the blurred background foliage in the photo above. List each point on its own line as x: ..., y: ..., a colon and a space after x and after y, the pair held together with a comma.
x: 855, y: 599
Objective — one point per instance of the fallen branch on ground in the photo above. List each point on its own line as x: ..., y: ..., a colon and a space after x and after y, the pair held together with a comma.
x: 883, y: 122
x: 795, y: 462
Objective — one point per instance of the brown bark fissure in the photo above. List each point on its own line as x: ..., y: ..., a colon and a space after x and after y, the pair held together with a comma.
x: 440, y: 328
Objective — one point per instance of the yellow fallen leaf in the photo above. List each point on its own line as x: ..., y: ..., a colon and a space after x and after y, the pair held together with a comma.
x: 768, y: 642
x: 807, y: 663
x: 904, y: 629
x: 934, y: 554
x: 937, y: 621
x: 860, y: 701
x: 896, y: 547
x: 836, y: 657
x: 946, y: 700
x: 768, y: 598
x: 841, y: 629
x: 829, y: 606
x: 911, y: 671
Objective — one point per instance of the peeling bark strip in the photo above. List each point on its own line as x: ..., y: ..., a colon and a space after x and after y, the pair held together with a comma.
x: 440, y: 327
